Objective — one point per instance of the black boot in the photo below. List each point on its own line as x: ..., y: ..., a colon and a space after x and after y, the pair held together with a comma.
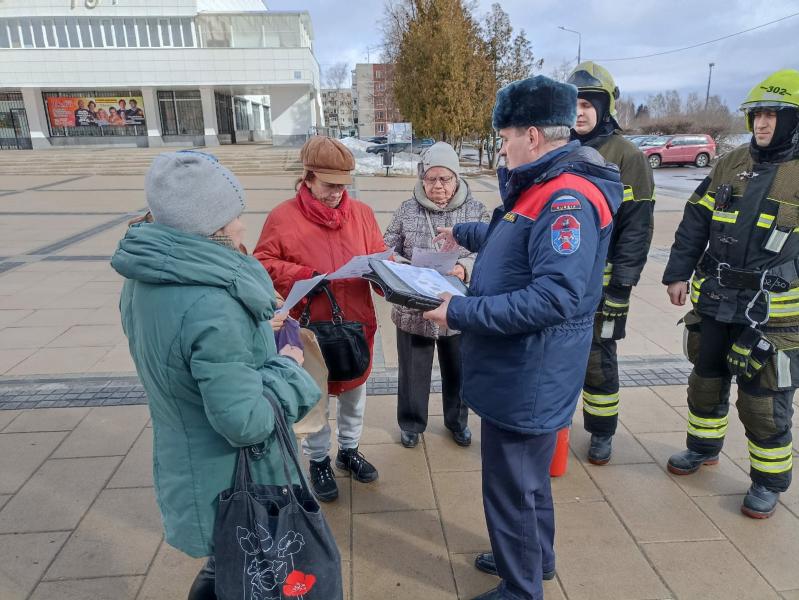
x: 323, y: 480
x: 409, y: 439
x: 485, y: 562
x: 600, y: 449
x: 688, y: 461
x: 760, y: 502
x: 349, y: 459
x: 463, y: 438
x: 204, y: 584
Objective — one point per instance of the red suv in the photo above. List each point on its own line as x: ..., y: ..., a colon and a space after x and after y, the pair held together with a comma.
x: 680, y: 149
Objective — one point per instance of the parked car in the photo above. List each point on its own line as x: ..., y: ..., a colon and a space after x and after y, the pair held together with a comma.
x: 417, y: 146
x: 641, y: 140
x: 380, y: 139
x: 696, y: 149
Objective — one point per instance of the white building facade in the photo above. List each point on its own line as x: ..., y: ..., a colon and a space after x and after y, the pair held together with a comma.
x: 155, y: 72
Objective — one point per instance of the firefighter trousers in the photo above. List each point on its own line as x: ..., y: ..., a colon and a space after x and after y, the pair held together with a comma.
x: 765, y: 413
x: 601, y: 388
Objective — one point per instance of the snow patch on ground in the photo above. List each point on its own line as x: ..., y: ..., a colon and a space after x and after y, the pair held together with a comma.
x: 372, y: 164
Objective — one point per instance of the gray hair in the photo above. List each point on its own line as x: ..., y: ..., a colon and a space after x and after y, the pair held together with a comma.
x: 555, y: 133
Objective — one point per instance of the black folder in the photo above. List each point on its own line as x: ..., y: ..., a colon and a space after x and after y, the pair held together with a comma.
x: 396, y: 291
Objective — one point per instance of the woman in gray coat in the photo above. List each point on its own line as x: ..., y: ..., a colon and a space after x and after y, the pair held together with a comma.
x: 440, y: 199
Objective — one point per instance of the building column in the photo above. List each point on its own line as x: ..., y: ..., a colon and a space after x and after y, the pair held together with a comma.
x: 152, y: 117
x: 37, y: 118
x: 209, y: 116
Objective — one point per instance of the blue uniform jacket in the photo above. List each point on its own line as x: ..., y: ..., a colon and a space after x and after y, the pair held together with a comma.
x: 528, y: 318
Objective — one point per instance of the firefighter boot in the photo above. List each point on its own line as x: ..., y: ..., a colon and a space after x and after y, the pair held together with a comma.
x: 760, y: 502
x: 689, y: 461
x: 600, y: 449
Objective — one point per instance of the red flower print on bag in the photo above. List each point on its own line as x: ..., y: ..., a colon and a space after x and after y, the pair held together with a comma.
x: 298, y: 583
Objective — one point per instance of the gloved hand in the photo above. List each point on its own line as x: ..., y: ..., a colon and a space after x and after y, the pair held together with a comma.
x: 749, y: 353
x: 613, y: 311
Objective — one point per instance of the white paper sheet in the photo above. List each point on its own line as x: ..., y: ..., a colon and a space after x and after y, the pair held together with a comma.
x: 298, y: 291
x: 428, y: 282
x: 443, y: 262
x: 357, y: 266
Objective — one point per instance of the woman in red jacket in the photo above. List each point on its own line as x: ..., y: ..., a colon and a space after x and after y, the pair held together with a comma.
x: 318, y: 231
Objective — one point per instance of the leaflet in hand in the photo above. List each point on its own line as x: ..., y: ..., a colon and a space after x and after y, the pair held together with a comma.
x: 443, y: 262
x: 298, y: 291
x: 357, y: 266
x: 427, y: 282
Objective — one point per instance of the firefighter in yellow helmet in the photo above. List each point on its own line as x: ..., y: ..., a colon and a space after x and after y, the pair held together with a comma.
x: 596, y: 126
x: 738, y: 244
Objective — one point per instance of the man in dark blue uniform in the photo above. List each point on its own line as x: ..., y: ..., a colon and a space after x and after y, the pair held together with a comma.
x: 527, y: 322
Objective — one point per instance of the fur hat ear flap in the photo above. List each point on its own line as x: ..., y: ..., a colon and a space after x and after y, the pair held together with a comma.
x: 538, y: 101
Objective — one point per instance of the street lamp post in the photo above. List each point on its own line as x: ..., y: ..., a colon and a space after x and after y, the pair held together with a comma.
x: 579, y: 41
x: 709, y: 73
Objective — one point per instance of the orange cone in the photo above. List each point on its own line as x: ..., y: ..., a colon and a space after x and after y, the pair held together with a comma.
x: 560, y: 460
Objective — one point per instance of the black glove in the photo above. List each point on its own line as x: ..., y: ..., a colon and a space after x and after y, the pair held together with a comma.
x: 613, y: 311
x: 749, y: 353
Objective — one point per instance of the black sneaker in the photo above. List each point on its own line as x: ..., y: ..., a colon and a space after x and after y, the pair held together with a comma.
x: 323, y: 480
x: 349, y: 459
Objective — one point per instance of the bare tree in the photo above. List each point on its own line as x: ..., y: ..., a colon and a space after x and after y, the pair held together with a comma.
x: 562, y: 71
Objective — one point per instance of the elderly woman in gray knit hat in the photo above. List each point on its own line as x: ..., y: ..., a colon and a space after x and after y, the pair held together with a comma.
x: 441, y: 198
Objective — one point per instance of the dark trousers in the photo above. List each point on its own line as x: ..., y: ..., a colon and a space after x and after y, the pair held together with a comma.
x: 517, y: 499
x: 204, y: 584
x: 415, y: 371
x: 764, y: 410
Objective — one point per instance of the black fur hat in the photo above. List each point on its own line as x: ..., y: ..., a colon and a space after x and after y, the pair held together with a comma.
x: 537, y: 101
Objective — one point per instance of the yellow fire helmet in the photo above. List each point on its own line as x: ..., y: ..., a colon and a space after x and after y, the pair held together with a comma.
x: 590, y: 77
x: 778, y: 90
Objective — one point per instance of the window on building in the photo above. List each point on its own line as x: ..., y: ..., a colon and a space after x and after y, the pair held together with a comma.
x: 143, y: 33
x: 130, y: 33
x: 85, y: 35
x: 38, y: 33
x: 181, y: 112
x: 177, y: 34
x: 380, y: 127
x: 72, y: 31
x: 119, y: 35
x: 5, y: 40
x: 155, y: 40
x: 188, y: 33
x: 166, y: 36
x: 99, y: 30
x: 13, y: 34
x: 61, y: 32
x: 217, y: 32
x: 49, y: 32
x: 108, y: 32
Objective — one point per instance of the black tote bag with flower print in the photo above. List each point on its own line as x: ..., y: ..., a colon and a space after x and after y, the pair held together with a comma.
x: 272, y: 542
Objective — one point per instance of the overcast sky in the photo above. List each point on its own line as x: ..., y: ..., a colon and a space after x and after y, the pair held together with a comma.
x: 610, y: 29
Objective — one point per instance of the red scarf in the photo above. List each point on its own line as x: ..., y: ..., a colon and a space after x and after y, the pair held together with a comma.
x: 316, y: 212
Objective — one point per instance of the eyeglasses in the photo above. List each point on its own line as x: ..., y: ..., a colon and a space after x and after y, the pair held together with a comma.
x: 441, y: 180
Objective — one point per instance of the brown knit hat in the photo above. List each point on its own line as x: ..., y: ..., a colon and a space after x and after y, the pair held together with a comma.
x: 328, y: 159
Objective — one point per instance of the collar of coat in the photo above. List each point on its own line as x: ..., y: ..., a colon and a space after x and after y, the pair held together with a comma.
x: 160, y: 255
x: 569, y: 158
x: 458, y: 200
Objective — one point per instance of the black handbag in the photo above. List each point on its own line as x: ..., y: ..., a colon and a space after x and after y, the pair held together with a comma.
x: 271, y: 542
x: 343, y: 343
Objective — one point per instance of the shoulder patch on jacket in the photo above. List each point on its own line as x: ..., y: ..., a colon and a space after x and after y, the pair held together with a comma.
x: 534, y: 200
x: 565, y: 234
x: 565, y: 203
